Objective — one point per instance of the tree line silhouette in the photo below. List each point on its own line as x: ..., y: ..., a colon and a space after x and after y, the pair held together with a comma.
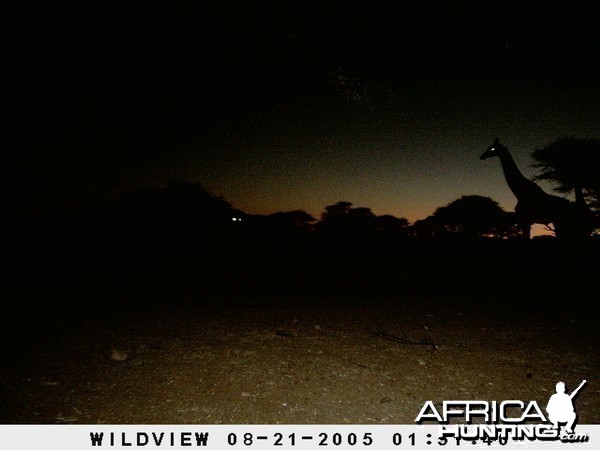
x: 179, y: 241
x: 186, y: 213
x: 183, y: 214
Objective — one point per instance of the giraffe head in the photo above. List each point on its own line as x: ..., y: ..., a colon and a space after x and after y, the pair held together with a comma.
x: 494, y: 150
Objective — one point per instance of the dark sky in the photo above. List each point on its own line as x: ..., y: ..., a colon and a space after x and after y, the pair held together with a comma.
x: 283, y: 105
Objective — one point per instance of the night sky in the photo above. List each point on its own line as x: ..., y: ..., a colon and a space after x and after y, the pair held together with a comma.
x: 291, y: 105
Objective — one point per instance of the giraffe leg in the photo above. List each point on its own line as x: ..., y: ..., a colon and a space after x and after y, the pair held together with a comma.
x: 523, y: 221
x: 526, y: 230
x: 559, y: 230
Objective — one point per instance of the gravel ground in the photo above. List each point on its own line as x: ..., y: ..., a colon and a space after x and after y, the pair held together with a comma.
x: 297, y: 360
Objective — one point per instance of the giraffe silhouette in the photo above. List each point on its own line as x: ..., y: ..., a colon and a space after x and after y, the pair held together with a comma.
x: 536, y: 206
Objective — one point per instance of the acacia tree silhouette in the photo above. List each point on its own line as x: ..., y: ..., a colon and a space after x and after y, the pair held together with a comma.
x: 570, y: 163
x: 343, y: 218
x: 573, y: 165
x: 470, y: 216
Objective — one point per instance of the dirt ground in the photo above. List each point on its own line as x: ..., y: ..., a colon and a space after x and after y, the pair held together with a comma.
x: 302, y: 360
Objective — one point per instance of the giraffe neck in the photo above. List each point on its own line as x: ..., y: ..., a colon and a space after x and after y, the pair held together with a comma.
x: 518, y: 184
